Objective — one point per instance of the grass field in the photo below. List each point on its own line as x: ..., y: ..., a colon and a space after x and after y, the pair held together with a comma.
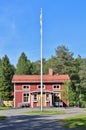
x: 5, y: 108
x: 45, y: 112
x: 78, y: 121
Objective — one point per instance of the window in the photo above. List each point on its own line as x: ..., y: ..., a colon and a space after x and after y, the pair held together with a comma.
x: 35, y: 97
x: 25, y: 86
x: 47, y: 97
x: 39, y: 86
x: 57, y: 94
x: 57, y: 97
x: 26, y: 97
x: 56, y: 86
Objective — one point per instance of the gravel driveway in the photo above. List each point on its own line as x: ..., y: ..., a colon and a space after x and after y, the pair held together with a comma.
x: 17, y: 120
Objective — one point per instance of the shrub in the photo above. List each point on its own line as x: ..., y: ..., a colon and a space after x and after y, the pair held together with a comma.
x: 83, y: 104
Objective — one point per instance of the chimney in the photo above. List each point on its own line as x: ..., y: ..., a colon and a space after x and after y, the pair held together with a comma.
x: 50, y: 71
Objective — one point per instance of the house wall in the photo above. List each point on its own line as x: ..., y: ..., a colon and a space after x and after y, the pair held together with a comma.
x: 18, y: 98
x: 33, y: 87
x: 49, y: 87
x: 19, y: 91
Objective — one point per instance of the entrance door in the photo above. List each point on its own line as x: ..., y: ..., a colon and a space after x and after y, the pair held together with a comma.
x: 43, y: 100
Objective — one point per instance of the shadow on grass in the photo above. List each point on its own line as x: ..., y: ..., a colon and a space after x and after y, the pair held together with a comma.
x: 2, y: 117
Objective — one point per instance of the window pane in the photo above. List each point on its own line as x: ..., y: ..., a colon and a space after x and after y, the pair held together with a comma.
x: 26, y: 86
x: 24, y: 94
x: 35, y: 96
x: 56, y: 86
x: 47, y: 96
x: 26, y: 97
x: 40, y: 86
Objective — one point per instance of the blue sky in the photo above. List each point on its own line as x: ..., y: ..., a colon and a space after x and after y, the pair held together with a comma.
x: 64, y: 23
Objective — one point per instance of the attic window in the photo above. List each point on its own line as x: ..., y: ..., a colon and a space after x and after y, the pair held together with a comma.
x: 56, y: 86
x: 25, y: 86
x: 39, y: 86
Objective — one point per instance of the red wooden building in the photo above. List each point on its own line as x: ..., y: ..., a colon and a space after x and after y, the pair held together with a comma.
x: 27, y: 89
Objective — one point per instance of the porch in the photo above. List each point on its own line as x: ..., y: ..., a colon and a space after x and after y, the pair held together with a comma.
x: 49, y: 99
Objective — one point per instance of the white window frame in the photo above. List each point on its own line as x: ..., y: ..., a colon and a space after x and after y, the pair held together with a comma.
x: 40, y: 86
x: 27, y: 87
x: 35, y: 100
x: 57, y: 88
x: 28, y: 98
x: 47, y: 98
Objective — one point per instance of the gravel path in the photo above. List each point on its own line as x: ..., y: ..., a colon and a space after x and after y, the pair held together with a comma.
x: 17, y: 120
x: 69, y: 111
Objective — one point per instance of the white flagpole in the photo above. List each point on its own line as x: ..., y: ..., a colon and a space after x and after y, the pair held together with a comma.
x: 41, y: 52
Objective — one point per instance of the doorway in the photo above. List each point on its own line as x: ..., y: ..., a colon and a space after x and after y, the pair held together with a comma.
x: 56, y: 101
x: 43, y: 99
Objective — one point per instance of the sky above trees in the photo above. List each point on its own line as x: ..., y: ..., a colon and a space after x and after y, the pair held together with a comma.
x: 64, y: 23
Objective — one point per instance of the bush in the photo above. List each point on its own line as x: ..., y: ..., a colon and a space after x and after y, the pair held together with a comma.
x: 83, y: 104
x: 71, y: 104
x: 1, y: 102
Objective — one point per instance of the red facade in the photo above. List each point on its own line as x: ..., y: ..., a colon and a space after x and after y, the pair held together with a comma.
x: 27, y: 90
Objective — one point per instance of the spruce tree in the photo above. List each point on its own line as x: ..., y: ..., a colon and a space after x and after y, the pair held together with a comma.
x: 6, y: 74
x: 23, y: 65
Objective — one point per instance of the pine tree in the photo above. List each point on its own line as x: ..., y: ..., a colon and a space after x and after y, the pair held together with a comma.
x: 6, y: 74
x: 23, y: 65
x: 65, y: 60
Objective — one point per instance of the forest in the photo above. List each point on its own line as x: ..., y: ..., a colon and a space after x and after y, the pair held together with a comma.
x: 63, y: 62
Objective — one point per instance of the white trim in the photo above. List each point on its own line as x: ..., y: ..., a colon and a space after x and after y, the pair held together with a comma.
x: 40, y: 86
x: 26, y: 90
x: 31, y: 101
x: 14, y: 96
x: 26, y: 86
x: 47, y: 100
x: 33, y: 98
x: 23, y: 97
x: 55, y: 81
x: 50, y: 96
x: 59, y: 88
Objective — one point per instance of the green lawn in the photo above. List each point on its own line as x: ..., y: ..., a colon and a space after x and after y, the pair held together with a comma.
x: 78, y: 122
x: 5, y: 108
x: 44, y: 112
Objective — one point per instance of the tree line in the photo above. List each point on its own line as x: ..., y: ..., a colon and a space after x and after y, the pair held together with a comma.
x: 62, y: 63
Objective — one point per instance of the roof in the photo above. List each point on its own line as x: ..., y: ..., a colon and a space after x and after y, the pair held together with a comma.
x: 36, y: 78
